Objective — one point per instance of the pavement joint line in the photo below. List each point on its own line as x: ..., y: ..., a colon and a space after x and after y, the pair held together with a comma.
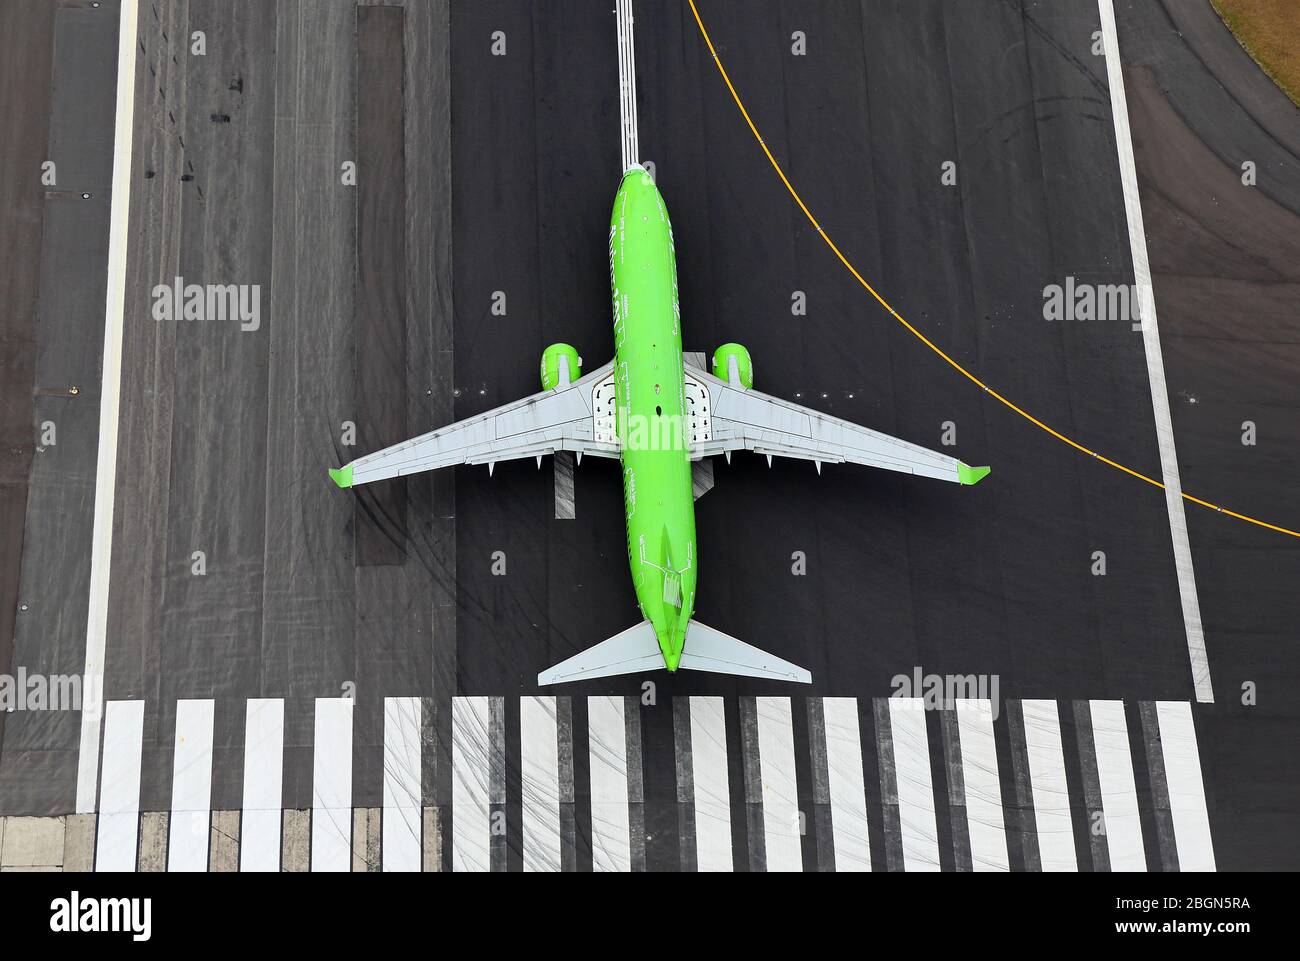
x: 916, y: 332
x: 111, y: 388
x: 1182, y: 548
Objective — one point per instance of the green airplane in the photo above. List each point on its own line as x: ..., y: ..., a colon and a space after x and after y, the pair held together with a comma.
x: 659, y: 413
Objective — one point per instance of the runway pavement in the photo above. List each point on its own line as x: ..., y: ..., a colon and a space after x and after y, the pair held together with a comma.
x: 485, y: 142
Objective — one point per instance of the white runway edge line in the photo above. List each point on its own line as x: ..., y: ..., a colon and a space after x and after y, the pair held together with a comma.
x: 110, y: 393
x: 1155, y: 361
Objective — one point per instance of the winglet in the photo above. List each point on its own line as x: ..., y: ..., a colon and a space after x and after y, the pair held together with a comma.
x: 342, y: 477
x: 971, y: 475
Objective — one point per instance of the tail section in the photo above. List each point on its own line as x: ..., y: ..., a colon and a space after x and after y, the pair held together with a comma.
x: 633, y: 651
x: 636, y: 651
x: 711, y: 650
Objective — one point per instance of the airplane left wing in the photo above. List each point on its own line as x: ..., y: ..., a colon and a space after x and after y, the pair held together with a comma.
x: 740, y: 419
x: 553, y: 420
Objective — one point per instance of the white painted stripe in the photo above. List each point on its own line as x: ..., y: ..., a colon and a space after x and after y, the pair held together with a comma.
x: 611, y: 838
x: 915, y: 787
x: 1050, y: 790
x: 712, y: 791
x: 403, y: 799
x: 848, y: 791
x: 187, y: 843
x: 1118, y: 789
x: 627, y: 82
x: 119, y: 801
x: 539, y: 738
x: 101, y: 545
x: 781, y: 821
x: 1186, y: 786
x: 331, y: 794
x: 259, y: 830
x: 1155, y: 362
x: 470, y: 778
x: 979, y: 773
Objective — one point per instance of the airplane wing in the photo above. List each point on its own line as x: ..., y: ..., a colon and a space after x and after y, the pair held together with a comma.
x: 576, y: 417
x: 727, y: 417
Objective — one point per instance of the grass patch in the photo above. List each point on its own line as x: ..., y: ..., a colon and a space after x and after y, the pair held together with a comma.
x: 1270, y: 32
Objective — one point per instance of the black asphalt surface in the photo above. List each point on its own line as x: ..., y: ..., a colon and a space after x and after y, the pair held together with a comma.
x: 500, y: 189
x: 60, y: 61
x: 888, y: 558
x: 1226, y: 265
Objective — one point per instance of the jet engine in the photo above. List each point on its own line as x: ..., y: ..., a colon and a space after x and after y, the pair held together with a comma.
x: 560, y: 365
x: 731, y: 363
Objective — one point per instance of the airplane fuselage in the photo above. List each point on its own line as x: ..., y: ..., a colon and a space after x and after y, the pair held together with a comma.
x: 652, y: 422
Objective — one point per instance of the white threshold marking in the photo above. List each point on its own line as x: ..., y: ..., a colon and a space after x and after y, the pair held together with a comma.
x: 1155, y: 361
x: 1186, y: 786
x: 979, y: 774
x: 101, y: 545
x: 331, y: 815
x: 403, y: 807
x: 470, y: 779
x: 187, y: 846
x: 847, y: 789
x: 1047, y: 783
x: 611, y: 837
x: 119, y: 809
x: 1119, y: 803
x: 259, y: 829
x: 917, y: 823
x: 539, y: 737
x: 782, y: 820
x: 712, y: 793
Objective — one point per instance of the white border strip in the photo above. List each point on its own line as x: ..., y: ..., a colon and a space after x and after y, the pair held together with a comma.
x: 187, y: 846
x: 119, y: 817
x: 539, y: 768
x: 1186, y: 786
x: 402, y: 824
x: 110, y: 392
x: 259, y: 827
x: 331, y: 794
x: 849, y: 828
x: 782, y: 820
x: 1155, y: 362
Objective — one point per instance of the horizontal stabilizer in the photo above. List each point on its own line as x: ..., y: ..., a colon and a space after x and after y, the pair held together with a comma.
x: 711, y: 650
x: 629, y: 652
x: 636, y: 650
